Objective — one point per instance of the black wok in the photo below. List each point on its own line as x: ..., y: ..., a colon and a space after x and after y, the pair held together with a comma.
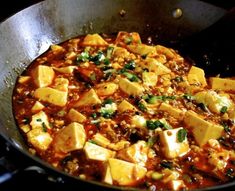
x: 30, y: 32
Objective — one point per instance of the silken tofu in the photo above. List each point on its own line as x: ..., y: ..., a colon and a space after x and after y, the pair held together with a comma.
x: 94, y: 40
x: 197, y: 76
x: 95, y: 152
x: 225, y: 84
x: 37, y: 107
x: 39, y: 139
x: 130, y: 88
x: 125, y: 173
x: 76, y: 116
x: 175, y: 112
x: 51, y: 95
x: 149, y: 78
x: 141, y: 49
x: 70, y: 138
x: 155, y: 66
x: 171, y: 147
x: 203, y: 130
x: 88, y: 98
x: 107, y: 88
x: 40, y: 120
x: 136, y: 153
x: 43, y: 75
x: 65, y: 70
x: 126, y: 106
x: 212, y: 100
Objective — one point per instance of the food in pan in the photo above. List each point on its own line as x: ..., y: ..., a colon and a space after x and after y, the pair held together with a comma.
x: 118, y: 111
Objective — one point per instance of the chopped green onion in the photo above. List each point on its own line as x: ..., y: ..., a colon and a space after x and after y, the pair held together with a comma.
x: 83, y: 57
x: 223, y: 109
x: 108, y: 101
x: 109, y: 52
x: 167, y: 164
x: 130, y: 65
x: 181, y: 135
x: 44, y: 128
x: 141, y: 106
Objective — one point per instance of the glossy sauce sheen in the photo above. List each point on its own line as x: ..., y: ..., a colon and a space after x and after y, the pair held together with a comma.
x: 116, y: 110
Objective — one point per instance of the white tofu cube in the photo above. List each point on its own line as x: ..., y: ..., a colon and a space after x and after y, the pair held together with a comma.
x: 106, y: 89
x: 70, y: 138
x: 126, y: 106
x: 43, y: 75
x: 126, y: 173
x: 212, y: 100
x: 225, y: 84
x: 202, y: 129
x: 175, y: 112
x: 51, y: 95
x: 88, y: 98
x: 197, y: 76
x: 95, y: 152
x: 39, y: 139
x: 149, y: 78
x: 155, y: 66
x: 136, y: 153
x: 130, y: 88
x: 138, y: 121
x: 76, y: 116
x: 94, y: 40
x: 172, y: 148
x: 37, y: 107
x: 40, y: 120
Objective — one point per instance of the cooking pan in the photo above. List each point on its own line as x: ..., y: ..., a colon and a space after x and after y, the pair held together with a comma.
x: 188, y: 25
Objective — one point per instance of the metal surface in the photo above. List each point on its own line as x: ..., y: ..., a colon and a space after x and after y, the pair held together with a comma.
x: 30, y: 32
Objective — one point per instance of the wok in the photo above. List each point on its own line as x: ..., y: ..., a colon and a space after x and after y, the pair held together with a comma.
x: 31, y: 31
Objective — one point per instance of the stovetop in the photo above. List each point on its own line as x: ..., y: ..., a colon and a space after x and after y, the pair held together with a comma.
x: 31, y: 179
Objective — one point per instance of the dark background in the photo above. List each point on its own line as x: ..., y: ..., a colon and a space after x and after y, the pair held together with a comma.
x: 8, y: 8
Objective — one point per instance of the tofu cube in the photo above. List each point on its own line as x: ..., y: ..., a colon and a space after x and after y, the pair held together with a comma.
x: 126, y: 106
x: 130, y: 88
x: 43, y: 75
x: 95, y: 152
x: 149, y: 78
x: 23, y: 79
x: 94, y: 40
x: 138, y: 121
x: 65, y: 70
x: 61, y: 84
x: 88, y: 98
x: 56, y: 48
x: 171, y: 147
x: 51, y: 95
x: 136, y: 153
x: 175, y: 112
x: 37, y: 107
x: 155, y: 66
x: 212, y: 100
x: 106, y: 89
x: 76, y: 116
x: 197, y: 76
x: 125, y: 173
x: 70, y: 138
x: 39, y: 139
x: 224, y: 84
x: 40, y: 120
x: 141, y: 49
x: 108, y: 177
x: 203, y: 130
x: 101, y: 140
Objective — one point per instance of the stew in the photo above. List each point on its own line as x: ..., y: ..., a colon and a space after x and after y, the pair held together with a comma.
x: 116, y: 110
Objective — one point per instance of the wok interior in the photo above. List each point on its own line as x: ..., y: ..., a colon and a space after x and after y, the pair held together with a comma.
x: 30, y: 32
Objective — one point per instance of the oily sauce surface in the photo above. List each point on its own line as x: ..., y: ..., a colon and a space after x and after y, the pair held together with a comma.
x: 116, y: 110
